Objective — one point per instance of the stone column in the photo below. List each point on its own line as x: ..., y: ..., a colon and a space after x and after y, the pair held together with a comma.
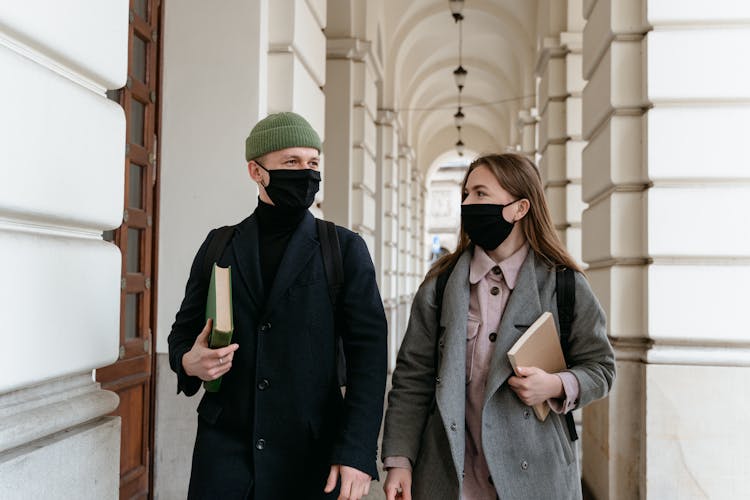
x: 351, y: 105
x: 418, y: 235
x: 526, y: 125
x: 62, y: 144
x: 665, y: 109
x: 405, y: 165
x: 560, y: 147
x: 297, y: 65
x: 386, y: 261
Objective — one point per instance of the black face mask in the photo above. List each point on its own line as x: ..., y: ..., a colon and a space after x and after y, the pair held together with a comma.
x: 292, y: 189
x: 485, y: 224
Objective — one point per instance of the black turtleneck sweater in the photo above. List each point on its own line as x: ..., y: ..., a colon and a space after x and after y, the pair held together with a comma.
x: 275, y: 229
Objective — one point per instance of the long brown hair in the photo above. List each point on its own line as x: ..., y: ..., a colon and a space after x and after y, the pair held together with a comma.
x: 520, y: 177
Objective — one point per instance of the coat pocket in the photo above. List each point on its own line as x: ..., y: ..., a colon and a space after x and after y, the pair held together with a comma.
x: 209, y: 409
x: 562, y: 436
x: 472, y: 335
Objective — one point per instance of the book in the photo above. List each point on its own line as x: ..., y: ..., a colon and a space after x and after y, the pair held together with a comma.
x: 539, y: 346
x: 219, y: 309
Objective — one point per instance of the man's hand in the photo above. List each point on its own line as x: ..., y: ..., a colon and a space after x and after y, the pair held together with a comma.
x: 354, y: 483
x: 398, y: 484
x: 205, y: 363
x: 535, y: 385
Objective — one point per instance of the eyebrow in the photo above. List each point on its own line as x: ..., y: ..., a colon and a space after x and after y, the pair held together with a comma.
x: 476, y: 186
x: 298, y: 157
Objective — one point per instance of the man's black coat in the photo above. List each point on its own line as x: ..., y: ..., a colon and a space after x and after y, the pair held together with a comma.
x: 279, y: 421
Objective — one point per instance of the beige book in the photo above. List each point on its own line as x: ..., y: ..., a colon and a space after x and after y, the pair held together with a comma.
x: 539, y: 346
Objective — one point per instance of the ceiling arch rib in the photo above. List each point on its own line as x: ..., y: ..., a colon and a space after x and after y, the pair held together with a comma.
x: 436, y: 146
x: 437, y: 67
x: 494, y: 125
x: 485, y: 85
x: 433, y: 17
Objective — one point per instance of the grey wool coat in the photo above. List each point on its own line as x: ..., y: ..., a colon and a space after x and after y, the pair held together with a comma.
x: 528, y: 459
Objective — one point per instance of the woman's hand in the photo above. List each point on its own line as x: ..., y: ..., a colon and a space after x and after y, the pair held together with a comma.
x: 398, y: 484
x: 535, y: 386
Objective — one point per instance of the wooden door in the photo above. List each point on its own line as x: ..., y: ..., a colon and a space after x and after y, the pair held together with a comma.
x: 131, y: 376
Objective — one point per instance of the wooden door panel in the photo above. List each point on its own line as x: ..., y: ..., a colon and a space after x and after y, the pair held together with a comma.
x: 131, y: 376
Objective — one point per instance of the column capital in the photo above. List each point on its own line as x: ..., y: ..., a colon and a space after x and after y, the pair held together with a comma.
x: 551, y: 47
x: 355, y: 49
x: 405, y: 151
x: 387, y: 116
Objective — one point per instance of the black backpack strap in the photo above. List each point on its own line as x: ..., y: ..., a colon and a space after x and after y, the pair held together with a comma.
x: 215, y: 249
x: 332, y: 261
x: 334, y: 268
x: 440, y: 283
x: 565, y: 288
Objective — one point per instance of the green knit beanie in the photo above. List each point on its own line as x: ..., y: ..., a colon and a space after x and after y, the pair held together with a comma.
x: 280, y: 131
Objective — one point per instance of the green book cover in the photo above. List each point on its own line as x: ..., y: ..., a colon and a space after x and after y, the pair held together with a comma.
x: 219, y: 309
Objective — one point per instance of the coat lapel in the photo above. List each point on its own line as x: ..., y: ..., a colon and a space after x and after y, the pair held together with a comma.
x: 247, y: 257
x: 523, y: 308
x: 451, y: 391
x: 299, y: 251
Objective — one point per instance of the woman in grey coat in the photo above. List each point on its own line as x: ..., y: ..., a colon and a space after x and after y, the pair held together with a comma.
x: 459, y: 423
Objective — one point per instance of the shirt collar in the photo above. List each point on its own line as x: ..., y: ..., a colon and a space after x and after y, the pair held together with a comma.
x: 481, y: 264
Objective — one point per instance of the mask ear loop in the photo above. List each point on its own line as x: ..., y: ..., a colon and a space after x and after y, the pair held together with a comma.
x: 507, y: 205
x: 264, y: 168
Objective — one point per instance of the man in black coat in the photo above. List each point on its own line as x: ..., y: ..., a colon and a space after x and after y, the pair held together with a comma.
x: 279, y: 428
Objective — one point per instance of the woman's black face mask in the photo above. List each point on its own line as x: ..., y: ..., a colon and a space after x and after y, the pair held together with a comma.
x: 485, y: 224
x: 292, y: 189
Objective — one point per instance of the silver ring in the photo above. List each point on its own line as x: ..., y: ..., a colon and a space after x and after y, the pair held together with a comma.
x: 221, y: 361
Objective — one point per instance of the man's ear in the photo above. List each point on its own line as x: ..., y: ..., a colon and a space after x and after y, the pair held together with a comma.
x: 254, y: 170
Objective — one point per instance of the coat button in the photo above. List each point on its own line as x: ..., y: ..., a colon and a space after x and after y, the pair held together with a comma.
x: 526, y: 414
x: 493, y: 337
x: 496, y: 270
x: 454, y: 426
x: 437, y: 380
x: 441, y: 343
x: 263, y: 384
x: 524, y: 465
x: 265, y: 327
x: 260, y: 444
x: 494, y: 290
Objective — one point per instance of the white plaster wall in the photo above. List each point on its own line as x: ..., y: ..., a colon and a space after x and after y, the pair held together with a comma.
x: 214, y: 89
x: 61, y: 149
x: 84, y: 37
x: 63, y: 293
x: 721, y: 126
x: 61, y: 184
x: 688, y: 453
x: 682, y: 308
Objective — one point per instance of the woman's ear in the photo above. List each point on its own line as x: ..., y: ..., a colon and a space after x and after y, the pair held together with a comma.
x: 522, y: 208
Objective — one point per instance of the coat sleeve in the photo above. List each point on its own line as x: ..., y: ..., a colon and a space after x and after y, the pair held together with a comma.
x: 189, y: 322
x: 590, y: 354
x: 413, y: 391
x: 364, y: 336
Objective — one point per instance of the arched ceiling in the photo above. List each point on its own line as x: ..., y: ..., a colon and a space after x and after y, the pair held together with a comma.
x: 421, y: 52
